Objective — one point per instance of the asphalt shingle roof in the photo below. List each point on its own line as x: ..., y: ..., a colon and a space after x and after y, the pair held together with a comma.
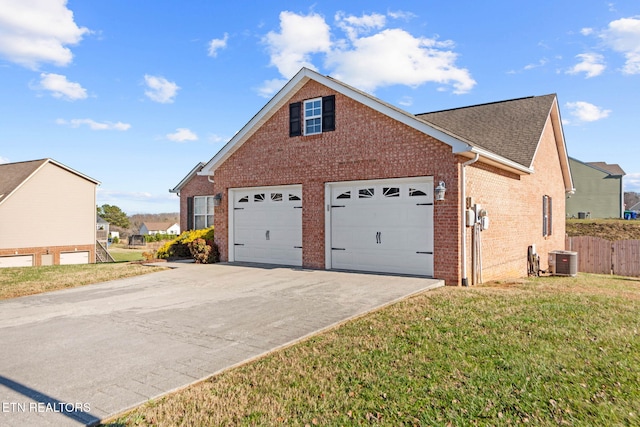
x: 511, y: 128
x: 613, y: 169
x: 14, y: 174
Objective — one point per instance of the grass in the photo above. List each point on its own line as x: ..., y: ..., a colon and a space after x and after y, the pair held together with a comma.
x: 545, y: 352
x: 126, y: 255
x: 17, y: 282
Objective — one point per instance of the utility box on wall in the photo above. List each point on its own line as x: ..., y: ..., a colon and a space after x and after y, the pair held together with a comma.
x: 563, y: 263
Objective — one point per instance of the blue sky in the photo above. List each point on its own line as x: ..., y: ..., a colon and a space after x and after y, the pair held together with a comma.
x: 136, y: 93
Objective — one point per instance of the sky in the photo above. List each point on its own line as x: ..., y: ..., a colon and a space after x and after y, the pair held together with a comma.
x: 135, y: 93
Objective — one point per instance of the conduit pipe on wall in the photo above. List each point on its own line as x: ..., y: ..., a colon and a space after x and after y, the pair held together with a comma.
x: 463, y: 225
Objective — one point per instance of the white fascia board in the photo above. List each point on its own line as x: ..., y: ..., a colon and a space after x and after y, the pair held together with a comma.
x: 499, y: 161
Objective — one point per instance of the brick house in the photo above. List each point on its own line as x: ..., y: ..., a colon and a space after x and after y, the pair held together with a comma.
x: 47, y: 214
x: 328, y: 177
x: 196, y: 200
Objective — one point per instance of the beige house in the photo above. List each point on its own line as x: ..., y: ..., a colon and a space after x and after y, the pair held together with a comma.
x: 47, y: 214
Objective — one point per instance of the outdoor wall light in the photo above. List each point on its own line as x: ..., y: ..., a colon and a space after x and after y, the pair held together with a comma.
x: 217, y: 199
x: 440, y: 190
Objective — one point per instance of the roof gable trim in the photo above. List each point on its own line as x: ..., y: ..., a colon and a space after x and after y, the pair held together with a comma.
x: 299, y: 80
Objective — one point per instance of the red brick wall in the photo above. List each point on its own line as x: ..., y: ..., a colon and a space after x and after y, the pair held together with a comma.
x: 514, y: 205
x: 54, y: 250
x: 196, y: 186
x: 365, y: 145
x: 369, y: 145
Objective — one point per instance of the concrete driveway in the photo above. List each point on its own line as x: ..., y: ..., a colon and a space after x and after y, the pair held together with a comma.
x: 81, y: 355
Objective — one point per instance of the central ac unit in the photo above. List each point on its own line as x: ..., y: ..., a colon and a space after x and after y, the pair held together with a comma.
x: 563, y: 263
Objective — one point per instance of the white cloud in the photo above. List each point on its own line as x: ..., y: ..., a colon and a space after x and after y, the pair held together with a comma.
x: 586, y: 112
x: 406, y: 101
x: 354, y: 26
x: 270, y: 87
x: 60, y: 87
x: 586, y: 31
x: 93, y: 125
x: 160, y: 89
x: 4, y: 160
x: 538, y: 64
x: 182, y: 135
x: 370, y: 57
x: 38, y: 31
x: 623, y: 35
x: 632, y: 182
x: 592, y: 64
x: 217, y: 44
x: 394, y: 56
x: 299, y: 37
x: 217, y: 138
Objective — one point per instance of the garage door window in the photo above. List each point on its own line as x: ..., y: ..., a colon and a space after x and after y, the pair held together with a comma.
x: 293, y: 198
x: 414, y: 192
x: 366, y: 193
x: 391, y: 192
x: 345, y: 195
x: 276, y: 197
x: 258, y: 197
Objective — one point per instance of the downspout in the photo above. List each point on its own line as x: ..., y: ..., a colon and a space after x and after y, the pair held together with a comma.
x: 463, y: 216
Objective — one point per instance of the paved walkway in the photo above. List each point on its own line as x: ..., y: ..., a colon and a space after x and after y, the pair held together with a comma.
x: 81, y: 355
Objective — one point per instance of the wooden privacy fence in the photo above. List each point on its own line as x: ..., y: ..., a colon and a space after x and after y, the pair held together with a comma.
x: 596, y: 255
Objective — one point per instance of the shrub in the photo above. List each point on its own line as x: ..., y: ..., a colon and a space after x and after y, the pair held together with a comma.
x: 199, y: 250
x: 178, y: 248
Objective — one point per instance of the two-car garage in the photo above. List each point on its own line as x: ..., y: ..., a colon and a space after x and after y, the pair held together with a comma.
x: 378, y: 226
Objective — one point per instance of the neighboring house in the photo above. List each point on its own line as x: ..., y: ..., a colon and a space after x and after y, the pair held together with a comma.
x: 326, y: 176
x: 102, y: 230
x: 599, y: 192
x: 47, y: 214
x: 160, y: 228
x: 634, y: 208
x: 196, y: 200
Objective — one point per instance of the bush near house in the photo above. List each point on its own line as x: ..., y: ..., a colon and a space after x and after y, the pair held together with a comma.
x: 179, y: 247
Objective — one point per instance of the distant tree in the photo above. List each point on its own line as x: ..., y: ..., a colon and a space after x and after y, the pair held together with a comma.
x: 113, y: 215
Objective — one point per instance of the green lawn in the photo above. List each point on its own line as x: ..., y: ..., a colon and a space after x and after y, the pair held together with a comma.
x: 544, y: 352
x: 16, y: 282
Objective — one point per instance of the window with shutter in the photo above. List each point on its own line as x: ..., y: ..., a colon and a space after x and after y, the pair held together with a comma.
x: 312, y: 116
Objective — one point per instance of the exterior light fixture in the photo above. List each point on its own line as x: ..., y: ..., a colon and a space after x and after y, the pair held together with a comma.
x: 440, y: 190
x: 217, y: 199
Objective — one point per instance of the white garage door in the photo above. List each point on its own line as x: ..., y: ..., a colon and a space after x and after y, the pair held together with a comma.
x: 81, y: 257
x: 382, y: 226
x: 16, y: 261
x: 267, y: 225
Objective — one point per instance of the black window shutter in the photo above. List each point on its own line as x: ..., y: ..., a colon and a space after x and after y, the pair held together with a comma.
x: 328, y: 113
x: 295, y: 119
x: 189, y: 213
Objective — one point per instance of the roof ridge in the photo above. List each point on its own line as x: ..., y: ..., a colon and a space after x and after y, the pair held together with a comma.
x: 484, y: 104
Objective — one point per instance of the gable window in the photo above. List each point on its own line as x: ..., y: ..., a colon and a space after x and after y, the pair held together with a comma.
x: 547, y: 215
x: 200, y: 213
x: 312, y: 117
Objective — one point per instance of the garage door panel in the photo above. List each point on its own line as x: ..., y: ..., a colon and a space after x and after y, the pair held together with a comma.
x: 81, y: 257
x: 389, y: 230
x: 16, y: 261
x: 268, y: 225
